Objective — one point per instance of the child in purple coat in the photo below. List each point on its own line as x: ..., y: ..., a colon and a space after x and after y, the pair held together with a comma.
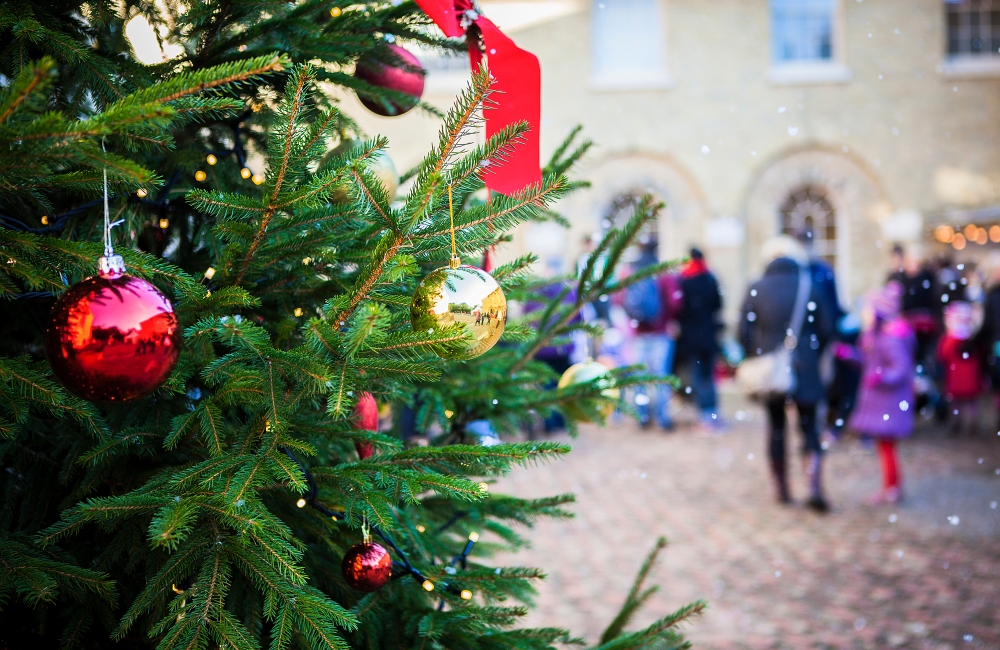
x: 885, y: 401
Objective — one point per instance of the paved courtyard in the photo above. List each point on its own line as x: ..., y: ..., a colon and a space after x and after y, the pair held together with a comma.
x: 924, y: 574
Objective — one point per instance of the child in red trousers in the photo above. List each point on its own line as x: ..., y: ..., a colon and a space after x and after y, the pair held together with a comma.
x: 963, y: 371
x: 885, y: 402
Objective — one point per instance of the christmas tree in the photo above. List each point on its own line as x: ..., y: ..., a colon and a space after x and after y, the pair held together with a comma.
x: 217, y: 510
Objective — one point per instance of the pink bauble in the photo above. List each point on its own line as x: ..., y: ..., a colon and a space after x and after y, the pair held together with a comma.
x: 112, y: 339
x: 365, y: 417
x: 396, y: 76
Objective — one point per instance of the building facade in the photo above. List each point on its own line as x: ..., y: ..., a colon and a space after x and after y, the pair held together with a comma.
x: 868, y: 122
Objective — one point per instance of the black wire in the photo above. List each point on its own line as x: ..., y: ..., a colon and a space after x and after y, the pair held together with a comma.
x: 162, y: 197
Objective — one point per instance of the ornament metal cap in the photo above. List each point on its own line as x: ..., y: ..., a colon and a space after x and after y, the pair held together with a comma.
x: 110, y: 266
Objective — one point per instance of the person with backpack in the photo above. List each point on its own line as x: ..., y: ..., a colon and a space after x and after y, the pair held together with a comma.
x: 651, y: 305
x: 699, y: 329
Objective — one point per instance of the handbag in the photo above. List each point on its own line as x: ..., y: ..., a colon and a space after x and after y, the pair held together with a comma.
x: 772, y: 374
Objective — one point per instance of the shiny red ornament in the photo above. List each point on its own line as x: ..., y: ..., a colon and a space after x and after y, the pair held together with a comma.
x: 365, y: 417
x: 404, y: 76
x: 367, y: 567
x: 112, y: 337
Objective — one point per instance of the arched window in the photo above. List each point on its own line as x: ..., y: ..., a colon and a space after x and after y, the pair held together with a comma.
x: 808, y: 212
x: 619, y: 211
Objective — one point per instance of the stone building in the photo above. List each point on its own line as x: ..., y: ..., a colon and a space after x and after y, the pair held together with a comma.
x: 869, y: 121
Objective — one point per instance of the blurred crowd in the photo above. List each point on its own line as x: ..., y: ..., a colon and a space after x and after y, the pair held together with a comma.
x: 923, y: 345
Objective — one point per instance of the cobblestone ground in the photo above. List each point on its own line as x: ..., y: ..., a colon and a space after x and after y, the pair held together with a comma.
x: 924, y: 574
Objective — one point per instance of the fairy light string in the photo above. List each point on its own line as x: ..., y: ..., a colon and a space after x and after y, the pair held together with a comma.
x: 56, y: 222
x: 404, y: 566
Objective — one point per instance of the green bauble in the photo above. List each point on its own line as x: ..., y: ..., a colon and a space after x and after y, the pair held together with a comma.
x: 581, y: 373
x: 465, y: 295
x: 381, y: 166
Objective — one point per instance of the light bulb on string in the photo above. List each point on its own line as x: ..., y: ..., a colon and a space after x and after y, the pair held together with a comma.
x: 211, y: 159
x: 141, y: 192
x: 246, y: 173
x: 257, y: 179
x: 200, y: 175
x: 335, y: 12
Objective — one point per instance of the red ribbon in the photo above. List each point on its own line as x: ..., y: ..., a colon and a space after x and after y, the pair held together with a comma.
x: 517, y: 78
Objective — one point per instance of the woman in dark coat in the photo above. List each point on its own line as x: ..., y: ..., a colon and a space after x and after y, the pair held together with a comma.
x: 764, y: 325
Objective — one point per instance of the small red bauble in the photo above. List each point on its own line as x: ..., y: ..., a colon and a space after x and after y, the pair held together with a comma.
x: 367, y: 567
x: 366, y: 417
x: 112, y: 338
x: 404, y: 76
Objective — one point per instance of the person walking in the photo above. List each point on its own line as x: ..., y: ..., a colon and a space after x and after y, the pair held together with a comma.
x: 651, y: 305
x: 773, y: 303
x: 886, y: 401
x: 699, y: 322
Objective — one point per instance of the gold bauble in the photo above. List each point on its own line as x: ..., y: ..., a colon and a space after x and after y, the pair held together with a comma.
x: 380, y: 165
x: 465, y: 295
x: 582, y: 373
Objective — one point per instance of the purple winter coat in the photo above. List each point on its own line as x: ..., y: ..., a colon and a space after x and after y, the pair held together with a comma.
x: 885, y: 405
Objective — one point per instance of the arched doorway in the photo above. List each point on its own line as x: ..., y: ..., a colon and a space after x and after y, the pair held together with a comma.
x: 808, y: 213
x: 830, y: 194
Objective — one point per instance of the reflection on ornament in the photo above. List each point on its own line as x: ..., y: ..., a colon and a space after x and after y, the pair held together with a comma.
x: 404, y: 75
x: 112, y: 337
x: 582, y: 373
x: 464, y: 295
x: 367, y: 567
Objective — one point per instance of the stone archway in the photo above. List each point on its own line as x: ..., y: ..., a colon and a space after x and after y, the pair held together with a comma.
x: 856, y: 198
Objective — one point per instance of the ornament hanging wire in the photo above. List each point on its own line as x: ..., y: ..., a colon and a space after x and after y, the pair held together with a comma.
x: 454, y: 262
x: 109, y: 265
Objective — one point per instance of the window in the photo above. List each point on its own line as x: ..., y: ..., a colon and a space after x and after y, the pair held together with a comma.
x: 805, y: 47
x: 808, y: 212
x: 627, y: 45
x: 973, y: 27
x: 802, y: 30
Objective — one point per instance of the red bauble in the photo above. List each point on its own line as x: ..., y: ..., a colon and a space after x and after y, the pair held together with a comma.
x: 367, y: 567
x: 112, y: 338
x: 404, y: 76
x: 366, y: 417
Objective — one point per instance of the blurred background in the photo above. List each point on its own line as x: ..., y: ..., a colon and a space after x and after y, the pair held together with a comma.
x: 871, y: 122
